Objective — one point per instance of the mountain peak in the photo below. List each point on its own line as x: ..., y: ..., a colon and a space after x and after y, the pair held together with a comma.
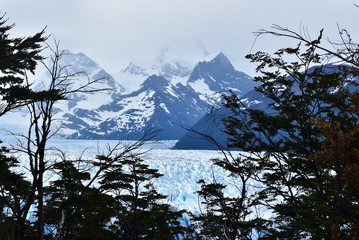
x: 155, y: 82
x: 79, y: 62
x: 223, y: 61
x: 221, y: 56
x: 134, y: 69
x: 211, y: 77
x: 218, y: 67
x: 67, y: 54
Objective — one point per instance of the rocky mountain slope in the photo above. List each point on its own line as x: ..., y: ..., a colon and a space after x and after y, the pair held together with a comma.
x: 157, y: 105
x: 160, y: 103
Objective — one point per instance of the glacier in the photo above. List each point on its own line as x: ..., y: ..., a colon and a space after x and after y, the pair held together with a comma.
x: 181, y: 169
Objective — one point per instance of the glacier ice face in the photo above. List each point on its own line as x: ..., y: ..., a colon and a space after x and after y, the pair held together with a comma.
x: 181, y: 169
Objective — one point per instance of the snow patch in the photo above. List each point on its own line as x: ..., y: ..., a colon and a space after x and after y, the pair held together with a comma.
x: 131, y: 82
x: 162, y: 105
x: 201, y: 87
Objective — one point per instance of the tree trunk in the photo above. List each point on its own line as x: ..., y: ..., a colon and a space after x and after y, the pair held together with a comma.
x: 20, y: 229
x: 40, y: 207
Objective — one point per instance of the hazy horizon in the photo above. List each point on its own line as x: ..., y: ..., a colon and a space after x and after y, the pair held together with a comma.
x: 114, y: 33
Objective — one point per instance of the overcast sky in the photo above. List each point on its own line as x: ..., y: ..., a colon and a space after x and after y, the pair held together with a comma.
x: 115, y: 32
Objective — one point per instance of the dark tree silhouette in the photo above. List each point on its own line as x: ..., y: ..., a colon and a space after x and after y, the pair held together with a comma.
x: 17, y: 57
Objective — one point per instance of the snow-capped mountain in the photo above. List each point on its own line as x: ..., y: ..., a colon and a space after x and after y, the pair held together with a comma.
x: 134, y: 74
x: 82, y: 64
x: 209, y: 78
x: 82, y: 70
x: 79, y: 103
x: 157, y: 105
x: 171, y: 69
x: 168, y: 101
x: 135, y: 70
x: 211, y: 124
x: 160, y: 103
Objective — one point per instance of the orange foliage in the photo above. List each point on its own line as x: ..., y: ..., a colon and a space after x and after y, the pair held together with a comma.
x: 340, y: 153
x: 339, y: 157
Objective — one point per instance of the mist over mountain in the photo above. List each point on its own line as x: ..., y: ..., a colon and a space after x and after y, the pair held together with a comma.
x: 82, y: 70
x: 162, y: 102
x: 167, y: 96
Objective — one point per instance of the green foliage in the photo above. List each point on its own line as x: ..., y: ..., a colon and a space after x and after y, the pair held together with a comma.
x: 17, y: 56
x: 141, y: 213
x: 74, y: 211
x: 14, y: 191
x: 307, y: 197
x: 231, y: 216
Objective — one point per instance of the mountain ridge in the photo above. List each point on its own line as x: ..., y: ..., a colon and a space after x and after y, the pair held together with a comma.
x: 159, y: 103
